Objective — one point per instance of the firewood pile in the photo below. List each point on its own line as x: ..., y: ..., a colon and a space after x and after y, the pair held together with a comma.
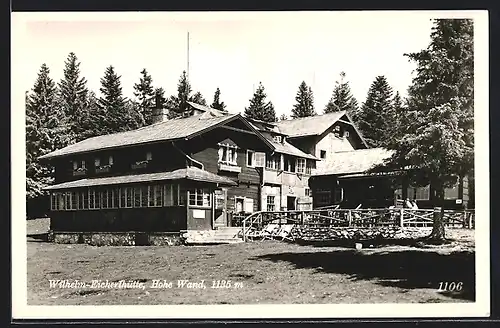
x: 350, y: 233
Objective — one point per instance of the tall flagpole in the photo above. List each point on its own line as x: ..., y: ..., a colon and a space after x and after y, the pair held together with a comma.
x: 188, y: 55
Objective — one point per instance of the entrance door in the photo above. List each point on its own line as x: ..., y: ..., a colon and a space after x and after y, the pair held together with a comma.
x: 220, y: 208
x: 290, y: 203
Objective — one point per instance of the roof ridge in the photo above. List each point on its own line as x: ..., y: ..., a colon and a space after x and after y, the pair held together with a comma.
x: 312, y: 116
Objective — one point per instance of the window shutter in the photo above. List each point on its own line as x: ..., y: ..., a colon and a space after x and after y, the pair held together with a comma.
x: 260, y: 159
x: 248, y: 205
x: 221, y: 153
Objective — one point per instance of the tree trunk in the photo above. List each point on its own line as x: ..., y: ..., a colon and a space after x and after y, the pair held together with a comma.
x: 438, y: 231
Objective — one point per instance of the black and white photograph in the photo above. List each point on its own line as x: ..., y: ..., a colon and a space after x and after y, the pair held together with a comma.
x: 309, y: 164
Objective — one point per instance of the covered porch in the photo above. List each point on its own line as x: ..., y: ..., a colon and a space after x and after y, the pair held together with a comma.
x: 165, y: 202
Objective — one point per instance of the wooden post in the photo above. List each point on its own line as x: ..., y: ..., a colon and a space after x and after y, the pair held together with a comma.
x: 401, y: 218
x: 302, y: 218
x: 244, y: 231
x: 349, y: 217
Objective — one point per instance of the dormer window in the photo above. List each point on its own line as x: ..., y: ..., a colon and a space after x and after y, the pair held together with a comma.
x: 278, y: 139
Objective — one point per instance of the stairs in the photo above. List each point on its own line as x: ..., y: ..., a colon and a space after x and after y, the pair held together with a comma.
x: 223, y: 235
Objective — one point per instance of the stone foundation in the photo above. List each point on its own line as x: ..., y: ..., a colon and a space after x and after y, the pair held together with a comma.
x: 116, y: 239
x: 172, y: 239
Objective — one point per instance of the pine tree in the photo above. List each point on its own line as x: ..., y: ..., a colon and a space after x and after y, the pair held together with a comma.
x: 305, y: 102
x: 259, y: 109
x: 342, y: 99
x: 283, y: 117
x: 119, y: 114
x: 145, y: 94
x: 217, y: 104
x: 72, y: 97
x: 439, y: 137
x: 376, y: 119
x: 42, y: 123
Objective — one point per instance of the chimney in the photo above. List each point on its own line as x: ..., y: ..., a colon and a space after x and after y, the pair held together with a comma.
x: 157, y: 112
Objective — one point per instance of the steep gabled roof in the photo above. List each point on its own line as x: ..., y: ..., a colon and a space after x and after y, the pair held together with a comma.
x: 189, y: 173
x: 174, y: 129
x: 354, y: 161
x: 309, y: 126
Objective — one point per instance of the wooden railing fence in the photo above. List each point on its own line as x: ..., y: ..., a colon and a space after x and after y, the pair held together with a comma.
x: 359, y: 218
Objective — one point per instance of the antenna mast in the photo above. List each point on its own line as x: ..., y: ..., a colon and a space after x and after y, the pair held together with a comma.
x: 188, y: 55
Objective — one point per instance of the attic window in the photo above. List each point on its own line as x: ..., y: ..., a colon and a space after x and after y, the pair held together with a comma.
x: 322, y: 154
x: 227, y: 154
x: 277, y: 138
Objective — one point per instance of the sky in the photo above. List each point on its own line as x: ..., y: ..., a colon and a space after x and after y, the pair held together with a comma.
x: 233, y: 51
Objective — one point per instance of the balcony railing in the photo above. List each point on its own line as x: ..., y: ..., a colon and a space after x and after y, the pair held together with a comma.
x: 229, y: 168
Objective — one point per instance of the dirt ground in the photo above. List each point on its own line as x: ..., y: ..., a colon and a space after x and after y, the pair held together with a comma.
x: 248, y: 273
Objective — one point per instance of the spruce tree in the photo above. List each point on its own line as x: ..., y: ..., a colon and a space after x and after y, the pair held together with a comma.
x: 178, y: 104
x: 259, y: 109
x: 376, y: 119
x: 439, y: 137
x: 217, y: 104
x: 119, y: 114
x: 73, y: 97
x: 305, y: 102
x: 42, y: 135
x: 145, y: 94
x: 93, y: 120
x: 198, y: 98
x: 342, y: 99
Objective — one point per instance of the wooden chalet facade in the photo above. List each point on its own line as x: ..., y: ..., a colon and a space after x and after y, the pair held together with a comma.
x: 189, y: 173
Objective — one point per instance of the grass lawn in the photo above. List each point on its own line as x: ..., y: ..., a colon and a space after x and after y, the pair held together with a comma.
x: 260, y: 272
